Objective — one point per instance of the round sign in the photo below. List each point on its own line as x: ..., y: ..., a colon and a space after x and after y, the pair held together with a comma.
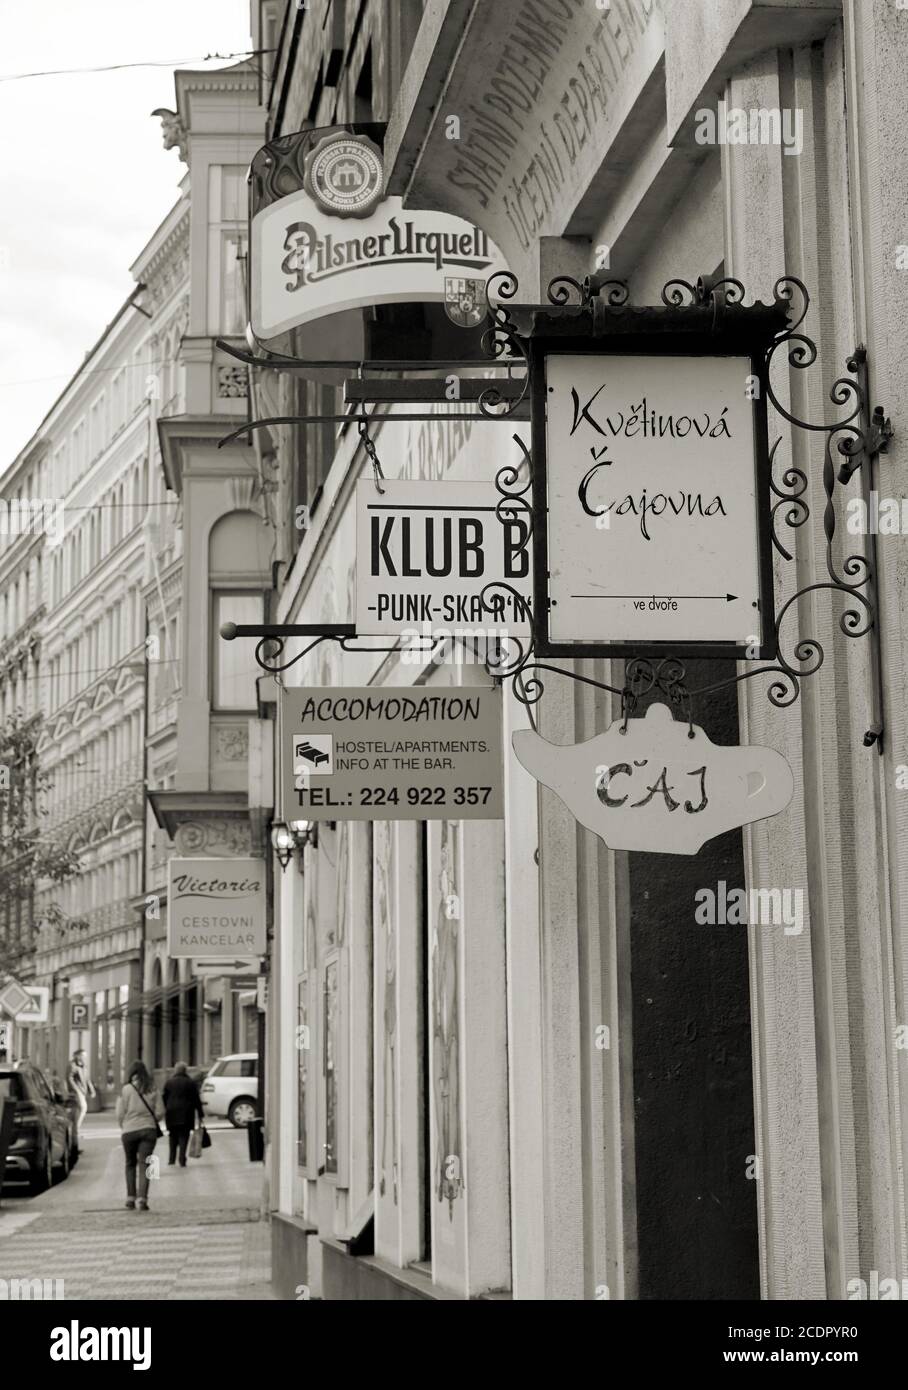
x: 344, y: 175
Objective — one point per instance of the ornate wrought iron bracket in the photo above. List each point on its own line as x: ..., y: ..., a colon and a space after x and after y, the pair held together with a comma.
x: 601, y: 304
x: 273, y: 638
x: 857, y: 438
x: 492, y: 400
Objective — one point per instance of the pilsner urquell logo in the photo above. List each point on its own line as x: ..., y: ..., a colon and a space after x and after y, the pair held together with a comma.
x: 312, y: 258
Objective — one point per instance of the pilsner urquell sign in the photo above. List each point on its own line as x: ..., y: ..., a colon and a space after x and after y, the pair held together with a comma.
x: 216, y: 907
x: 338, y: 243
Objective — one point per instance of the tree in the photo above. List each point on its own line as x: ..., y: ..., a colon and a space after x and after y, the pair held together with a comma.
x: 26, y: 857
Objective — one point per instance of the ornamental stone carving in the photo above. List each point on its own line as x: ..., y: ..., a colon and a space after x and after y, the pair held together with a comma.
x: 215, y: 837
x: 232, y: 743
x: 173, y: 131
x: 232, y: 382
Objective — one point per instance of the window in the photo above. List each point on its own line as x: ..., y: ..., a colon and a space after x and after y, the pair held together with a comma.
x: 302, y: 1066
x: 233, y: 298
x: 249, y: 1066
x: 233, y: 666
x: 330, y: 1059
x: 229, y: 1068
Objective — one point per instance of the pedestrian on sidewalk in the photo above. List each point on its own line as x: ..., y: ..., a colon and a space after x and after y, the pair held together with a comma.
x: 139, y: 1109
x: 81, y: 1086
x: 182, y: 1103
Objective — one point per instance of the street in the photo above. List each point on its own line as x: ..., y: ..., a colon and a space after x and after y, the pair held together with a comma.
x: 202, y: 1238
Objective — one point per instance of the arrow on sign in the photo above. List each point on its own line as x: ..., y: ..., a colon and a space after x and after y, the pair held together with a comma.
x: 227, y: 964
x: 727, y: 597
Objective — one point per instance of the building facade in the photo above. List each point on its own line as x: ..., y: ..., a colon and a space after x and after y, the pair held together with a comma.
x: 88, y: 682
x: 565, y: 1086
x: 97, y: 642
x: 203, y: 724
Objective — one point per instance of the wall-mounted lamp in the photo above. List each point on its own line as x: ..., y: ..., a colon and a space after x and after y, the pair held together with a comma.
x: 286, y: 839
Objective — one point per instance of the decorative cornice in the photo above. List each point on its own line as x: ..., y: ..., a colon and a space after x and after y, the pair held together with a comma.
x: 177, y: 433
x: 179, y: 234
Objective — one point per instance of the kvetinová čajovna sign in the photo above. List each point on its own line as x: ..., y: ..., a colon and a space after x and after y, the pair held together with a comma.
x: 546, y: 1052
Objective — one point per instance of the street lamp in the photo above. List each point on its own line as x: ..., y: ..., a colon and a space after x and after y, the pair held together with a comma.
x: 285, y: 839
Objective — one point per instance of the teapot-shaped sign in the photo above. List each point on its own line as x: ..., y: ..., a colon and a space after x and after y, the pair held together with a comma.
x: 654, y: 787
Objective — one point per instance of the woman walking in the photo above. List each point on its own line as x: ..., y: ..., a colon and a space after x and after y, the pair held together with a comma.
x: 182, y: 1103
x: 139, y: 1108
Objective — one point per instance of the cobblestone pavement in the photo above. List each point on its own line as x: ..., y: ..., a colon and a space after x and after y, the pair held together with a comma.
x: 202, y: 1239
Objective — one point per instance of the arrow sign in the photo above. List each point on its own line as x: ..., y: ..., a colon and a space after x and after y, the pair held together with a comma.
x: 248, y: 965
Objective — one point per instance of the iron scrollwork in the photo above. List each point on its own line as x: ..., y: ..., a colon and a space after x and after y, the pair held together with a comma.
x: 856, y: 438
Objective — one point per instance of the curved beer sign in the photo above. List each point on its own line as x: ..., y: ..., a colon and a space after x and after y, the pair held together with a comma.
x: 338, y: 244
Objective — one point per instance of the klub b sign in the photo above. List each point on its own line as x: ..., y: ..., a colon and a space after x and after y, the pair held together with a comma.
x: 438, y: 558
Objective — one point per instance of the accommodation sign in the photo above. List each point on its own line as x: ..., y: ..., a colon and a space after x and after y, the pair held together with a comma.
x: 216, y: 908
x: 437, y: 559
x: 339, y: 243
x: 387, y: 753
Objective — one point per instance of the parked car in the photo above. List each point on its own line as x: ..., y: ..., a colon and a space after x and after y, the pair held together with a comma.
x: 231, y: 1088
x: 44, y: 1133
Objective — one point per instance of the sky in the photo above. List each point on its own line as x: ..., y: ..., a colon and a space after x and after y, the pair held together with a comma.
x: 85, y: 178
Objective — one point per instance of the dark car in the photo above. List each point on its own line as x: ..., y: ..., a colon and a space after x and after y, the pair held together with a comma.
x: 44, y: 1128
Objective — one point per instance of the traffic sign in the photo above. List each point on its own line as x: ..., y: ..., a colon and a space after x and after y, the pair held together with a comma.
x: 25, y: 1003
x: 78, y: 1015
x: 15, y: 999
x: 38, y: 1008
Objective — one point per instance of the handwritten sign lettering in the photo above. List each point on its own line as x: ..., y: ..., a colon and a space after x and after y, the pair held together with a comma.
x: 652, y: 530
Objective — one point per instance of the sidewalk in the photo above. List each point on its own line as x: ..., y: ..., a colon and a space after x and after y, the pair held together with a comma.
x: 202, y: 1239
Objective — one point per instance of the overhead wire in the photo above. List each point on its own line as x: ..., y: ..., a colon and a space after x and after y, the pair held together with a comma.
x: 145, y: 63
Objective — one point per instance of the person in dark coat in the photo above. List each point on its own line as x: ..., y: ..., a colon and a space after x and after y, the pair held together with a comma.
x: 182, y: 1103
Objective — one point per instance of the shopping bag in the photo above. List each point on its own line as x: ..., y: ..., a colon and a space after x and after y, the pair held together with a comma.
x: 206, y: 1138
x: 195, y: 1144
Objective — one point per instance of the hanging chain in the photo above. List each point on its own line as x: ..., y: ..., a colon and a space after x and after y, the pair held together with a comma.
x: 369, y: 447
